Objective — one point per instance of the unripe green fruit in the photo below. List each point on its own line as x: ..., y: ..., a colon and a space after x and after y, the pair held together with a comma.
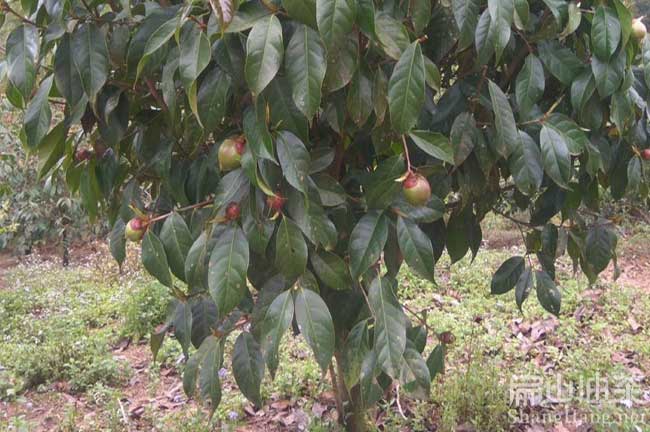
x: 417, y: 190
x: 645, y: 154
x: 638, y: 29
x: 230, y: 153
x: 135, y: 229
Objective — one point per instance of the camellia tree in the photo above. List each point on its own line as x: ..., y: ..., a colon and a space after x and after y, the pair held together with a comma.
x: 280, y: 159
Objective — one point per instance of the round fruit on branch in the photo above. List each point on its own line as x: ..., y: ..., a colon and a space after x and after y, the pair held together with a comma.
x: 638, y: 29
x: 416, y: 190
x: 135, y: 229
x: 230, y: 153
x: 645, y: 154
x: 276, y: 202
x: 233, y: 211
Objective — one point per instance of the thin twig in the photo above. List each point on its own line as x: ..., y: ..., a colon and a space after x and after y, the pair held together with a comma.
x: 182, y: 209
x: 124, y: 416
x: 399, y: 405
x: 406, y: 153
x: 7, y: 8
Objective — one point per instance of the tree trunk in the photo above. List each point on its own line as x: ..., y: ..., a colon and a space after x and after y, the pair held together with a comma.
x: 353, y: 415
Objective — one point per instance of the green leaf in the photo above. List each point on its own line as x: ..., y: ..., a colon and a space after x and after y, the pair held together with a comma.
x: 182, y: 322
x: 177, y: 241
x: 415, y: 376
x: 605, y: 33
x: 507, y: 137
x: 390, y: 331
x: 205, y: 318
x: 154, y: 258
x: 416, y: 248
x: 306, y: 63
x: 524, y: 286
x: 264, y: 52
x: 380, y: 96
x: 284, y: 112
x: 576, y: 140
x: 555, y: 156
x: 466, y: 15
x: 51, y: 149
x: 434, y: 144
x: 294, y: 160
x: 209, y: 383
x: 526, y: 166
x: 90, y: 58
x: 608, y: 74
x: 248, y: 367
x: 195, y: 54
x: 315, y: 324
x: 625, y: 20
x: 381, y: 185
x: 394, y: 37
x: 335, y: 20
x: 484, y: 38
x: 355, y: 349
x: 464, y: 136
x: 560, y: 61
x: 212, y: 98
x: 342, y: 63
x: 575, y: 17
x: 600, y: 246
x: 501, y: 16
x: 66, y: 75
x: 157, y: 39
x: 257, y: 135
x: 227, y: 269
x: 290, y: 249
x: 436, y: 361
x: 359, y: 100
x: 21, y: 53
x: 331, y: 269
x: 529, y: 86
x: 301, y: 10
x: 507, y: 275
x: 548, y: 294
x: 117, y: 241
x: 276, y: 321
x: 406, y: 89
x: 420, y: 12
x: 367, y: 241
x: 366, y: 16
x: 38, y: 115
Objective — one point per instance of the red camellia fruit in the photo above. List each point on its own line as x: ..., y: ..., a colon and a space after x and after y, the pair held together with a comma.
x: 135, y: 229
x: 638, y: 29
x: 233, y: 211
x: 416, y: 190
x: 645, y: 154
x: 230, y: 153
x: 276, y: 202
x: 82, y: 155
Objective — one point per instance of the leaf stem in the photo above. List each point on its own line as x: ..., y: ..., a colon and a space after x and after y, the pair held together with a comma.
x: 182, y: 209
x: 406, y: 154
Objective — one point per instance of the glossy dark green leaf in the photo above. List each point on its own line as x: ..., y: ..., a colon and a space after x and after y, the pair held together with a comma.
x: 524, y: 286
x: 359, y: 100
x: 355, y: 349
x: 335, y: 19
x: 341, y: 64
x: 390, y: 332
x: 66, y: 75
x: 463, y: 137
x: 302, y: 10
x: 507, y: 137
x: 315, y: 324
x: 209, y: 382
x: 367, y: 242
x: 212, y: 98
x: 394, y: 37
x: 555, y: 156
x: 608, y: 74
x: 548, y: 294
x: 416, y: 248
x: 21, y: 52
x: 117, y: 242
x: 90, y: 57
x: 306, y: 63
x: 600, y: 246
x: 275, y: 324
x: 294, y: 160
x: 154, y: 258
x: 227, y: 269
x: 530, y: 83
x: 415, y: 376
x: 501, y: 16
x: 560, y: 61
x: 264, y: 53
x: 436, y: 361
x: 526, y: 165
x: 466, y: 15
x: 331, y: 269
x: 406, y: 89
x: 434, y: 144
x: 507, y: 275
x: 38, y: 115
x: 248, y: 367
x: 290, y: 249
x: 605, y: 33
x: 177, y: 241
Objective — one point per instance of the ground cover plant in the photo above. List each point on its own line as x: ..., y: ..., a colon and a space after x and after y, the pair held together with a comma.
x: 280, y: 160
